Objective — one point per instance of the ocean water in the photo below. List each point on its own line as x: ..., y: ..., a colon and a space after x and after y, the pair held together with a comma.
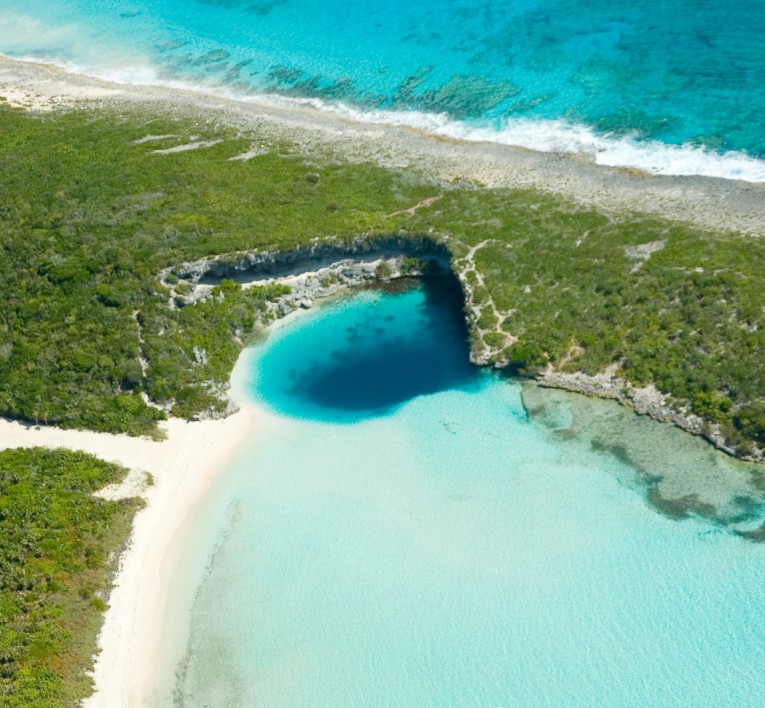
x: 673, y: 87
x: 443, y: 544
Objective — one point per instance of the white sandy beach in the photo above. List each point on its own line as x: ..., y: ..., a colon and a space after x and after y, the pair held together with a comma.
x: 183, y: 467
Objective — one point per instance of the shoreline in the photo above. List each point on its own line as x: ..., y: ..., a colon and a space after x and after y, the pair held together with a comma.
x: 647, y: 401
x: 131, y: 659
x: 710, y: 202
x: 182, y: 467
x: 550, y: 135
x: 360, y: 267
x: 130, y: 639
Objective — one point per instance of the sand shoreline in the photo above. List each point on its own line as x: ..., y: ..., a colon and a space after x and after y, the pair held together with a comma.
x: 713, y: 203
x: 183, y: 467
x: 129, y: 667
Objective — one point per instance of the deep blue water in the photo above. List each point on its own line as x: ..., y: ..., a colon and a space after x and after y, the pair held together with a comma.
x: 369, y: 355
x: 439, y: 547
x: 620, y: 80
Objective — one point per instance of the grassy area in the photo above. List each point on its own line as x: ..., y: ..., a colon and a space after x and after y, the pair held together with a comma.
x: 89, y: 217
x: 57, y: 546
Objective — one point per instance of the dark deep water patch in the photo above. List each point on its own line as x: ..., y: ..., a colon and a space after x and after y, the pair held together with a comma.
x: 452, y: 552
x: 369, y: 355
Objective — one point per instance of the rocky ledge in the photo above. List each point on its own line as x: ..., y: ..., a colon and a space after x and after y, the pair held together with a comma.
x: 319, y: 270
x: 253, y: 266
x: 646, y: 400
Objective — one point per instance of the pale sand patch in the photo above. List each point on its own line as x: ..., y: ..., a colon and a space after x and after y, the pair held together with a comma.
x: 643, y: 252
x: 153, y: 138
x: 17, y: 97
x: 183, y: 467
x: 188, y: 146
x: 134, y: 485
x: 252, y: 152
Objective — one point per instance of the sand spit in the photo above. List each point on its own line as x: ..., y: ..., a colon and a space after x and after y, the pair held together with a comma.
x: 713, y: 203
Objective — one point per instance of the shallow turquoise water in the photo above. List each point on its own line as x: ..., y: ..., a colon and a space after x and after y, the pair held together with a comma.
x: 618, y: 80
x: 445, y: 550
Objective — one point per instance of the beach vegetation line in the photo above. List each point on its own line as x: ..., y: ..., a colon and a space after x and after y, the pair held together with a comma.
x: 58, y: 549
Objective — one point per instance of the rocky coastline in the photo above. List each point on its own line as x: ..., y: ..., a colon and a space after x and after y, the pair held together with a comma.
x: 320, y: 270
x: 646, y: 400
x: 327, y: 268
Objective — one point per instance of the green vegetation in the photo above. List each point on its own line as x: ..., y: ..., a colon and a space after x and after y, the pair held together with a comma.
x: 56, y: 555
x: 89, y: 218
x: 684, y: 312
x: 215, y: 329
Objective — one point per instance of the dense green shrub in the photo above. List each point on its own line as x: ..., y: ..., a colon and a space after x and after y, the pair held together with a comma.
x: 56, y: 541
x: 688, y: 319
x: 88, y: 219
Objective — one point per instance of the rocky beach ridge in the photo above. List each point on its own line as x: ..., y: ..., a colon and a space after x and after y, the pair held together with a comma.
x: 645, y: 400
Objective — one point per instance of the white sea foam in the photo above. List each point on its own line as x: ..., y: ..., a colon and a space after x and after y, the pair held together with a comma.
x: 563, y: 137
x: 554, y: 136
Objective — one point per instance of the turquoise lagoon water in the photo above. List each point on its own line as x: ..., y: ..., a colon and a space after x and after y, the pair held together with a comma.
x: 431, y: 544
x: 673, y: 86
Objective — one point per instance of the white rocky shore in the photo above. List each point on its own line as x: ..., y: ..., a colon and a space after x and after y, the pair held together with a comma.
x: 646, y: 400
x: 321, y: 270
x: 328, y: 268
